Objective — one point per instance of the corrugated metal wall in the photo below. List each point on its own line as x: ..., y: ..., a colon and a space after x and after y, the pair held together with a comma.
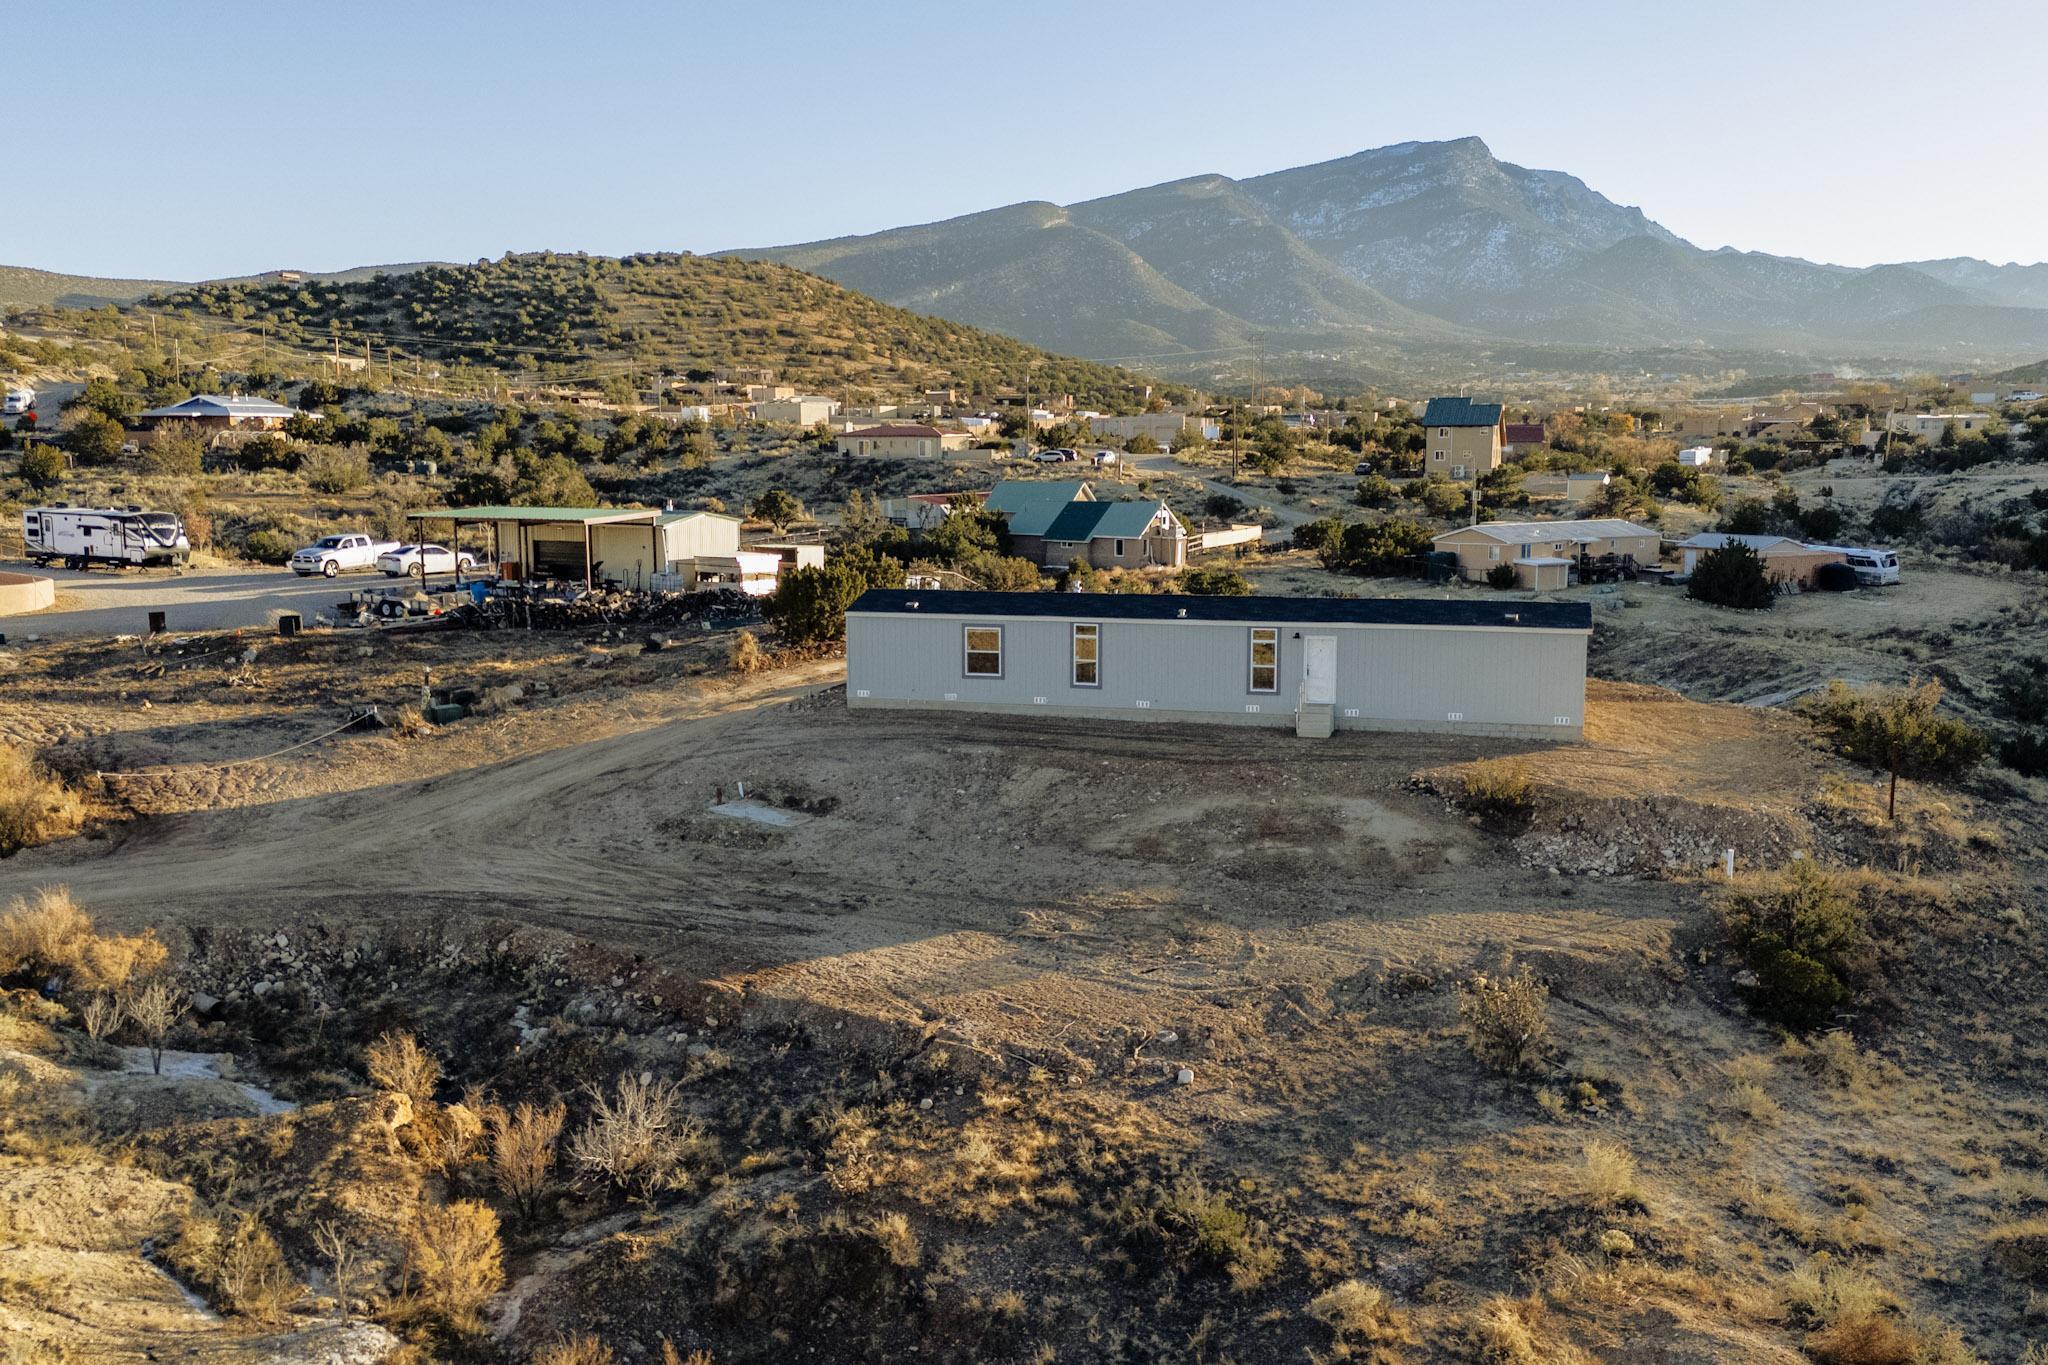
x: 1439, y: 678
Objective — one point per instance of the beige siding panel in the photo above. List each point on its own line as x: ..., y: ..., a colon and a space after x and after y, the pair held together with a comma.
x: 1404, y: 677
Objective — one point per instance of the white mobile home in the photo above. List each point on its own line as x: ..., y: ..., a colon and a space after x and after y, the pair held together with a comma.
x: 1311, y: 663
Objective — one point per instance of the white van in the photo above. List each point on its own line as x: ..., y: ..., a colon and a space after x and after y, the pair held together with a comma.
x: 1874, y: 568
x: 18, y: 401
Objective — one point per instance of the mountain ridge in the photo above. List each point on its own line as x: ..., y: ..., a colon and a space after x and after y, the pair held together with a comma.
x: 1412, y: 244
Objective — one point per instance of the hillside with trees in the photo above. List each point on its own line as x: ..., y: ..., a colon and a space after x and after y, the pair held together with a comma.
x: 578, y: 317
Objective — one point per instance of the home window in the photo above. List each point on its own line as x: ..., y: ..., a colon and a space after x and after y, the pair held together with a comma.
x: 1119, y: 549
x: 984, y: 651
x: 1087, y: 656
x: 1443, y: 431
x: 1265, y: 675
x: 1457, y: 471
x: 1493, y: 552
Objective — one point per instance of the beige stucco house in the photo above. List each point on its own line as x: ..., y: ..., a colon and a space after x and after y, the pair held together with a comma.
x: 1483, y: 547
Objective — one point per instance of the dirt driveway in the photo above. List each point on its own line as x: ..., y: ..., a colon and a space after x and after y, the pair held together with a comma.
x: 118, y: 602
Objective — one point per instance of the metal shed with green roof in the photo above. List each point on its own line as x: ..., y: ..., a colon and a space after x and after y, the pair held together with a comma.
x: 633, y: 547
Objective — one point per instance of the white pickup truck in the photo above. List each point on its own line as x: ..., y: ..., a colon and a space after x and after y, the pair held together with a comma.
x: 331, y: 555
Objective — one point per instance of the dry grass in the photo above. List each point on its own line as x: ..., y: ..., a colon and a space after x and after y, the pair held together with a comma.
x: 1607, y: 1175
x: 583, y: 1349
x: 48, y: 934
x: 746, y: 654
x: 1357, y: 1311
x: 35, y: 807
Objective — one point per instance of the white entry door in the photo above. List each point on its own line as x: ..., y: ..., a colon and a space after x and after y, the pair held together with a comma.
x: 1319, y: 670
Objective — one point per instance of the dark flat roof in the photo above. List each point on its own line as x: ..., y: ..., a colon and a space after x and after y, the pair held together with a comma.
x: 1315, y: 611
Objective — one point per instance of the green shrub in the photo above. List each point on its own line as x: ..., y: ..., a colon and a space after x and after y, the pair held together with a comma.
x: 1800, y: 931
x: 1501, y: 576
x: 1215, y: 582
x: 1732, y: 576
x: 267, y: 546
x: 1899, y: 731
x: 41, y: 467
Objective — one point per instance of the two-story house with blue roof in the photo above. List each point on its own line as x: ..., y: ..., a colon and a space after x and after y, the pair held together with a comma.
x: 1464, y: 437
x: 1054, y: 524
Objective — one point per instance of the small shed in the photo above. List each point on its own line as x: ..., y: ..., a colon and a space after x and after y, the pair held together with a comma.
x: 1785, y: 559
x: 1542, y: 573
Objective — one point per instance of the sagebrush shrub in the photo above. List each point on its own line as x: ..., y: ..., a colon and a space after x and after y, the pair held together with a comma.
x: 1505, y: 1018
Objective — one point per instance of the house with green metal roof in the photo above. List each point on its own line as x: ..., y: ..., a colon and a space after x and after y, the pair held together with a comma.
x: 1464, y: 438
x: 1054, y: 524
x: 1028, y: 507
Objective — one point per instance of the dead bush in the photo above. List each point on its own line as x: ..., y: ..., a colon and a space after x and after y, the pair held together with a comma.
x: 523, y: 1151
x: 237, y: 1261
x: 253, y: 1276
x: 746, y: 655
x: 1497, y: 790
x: 347, y: 1275
x: 453, y: 1263
x: 637, y: 1138
x: 48, y: 934
x: 35, y: 807
x: 155, y: 1009
x: 396, y: 1062
x: 1505, y: 1018
x: 101, y: 1015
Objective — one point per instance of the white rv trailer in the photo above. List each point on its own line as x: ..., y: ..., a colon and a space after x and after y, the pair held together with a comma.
x: 1874, y: 566
x: 83, y: 536
x: 18, y: 401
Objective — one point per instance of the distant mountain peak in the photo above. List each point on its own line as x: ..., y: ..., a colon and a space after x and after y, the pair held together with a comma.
x: 1414, y: 242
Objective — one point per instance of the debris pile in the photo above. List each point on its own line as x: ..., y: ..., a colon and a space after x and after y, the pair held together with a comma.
x: 520, y: 607
x: 618, y: 606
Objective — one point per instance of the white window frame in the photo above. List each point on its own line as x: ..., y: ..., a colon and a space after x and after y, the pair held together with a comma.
x: 1119, y: 549
x: 1262, y: 635
x: 1090, y: 631
x: 967, y: 652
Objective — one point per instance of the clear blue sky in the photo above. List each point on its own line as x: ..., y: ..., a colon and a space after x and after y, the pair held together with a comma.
x: 220, y: 137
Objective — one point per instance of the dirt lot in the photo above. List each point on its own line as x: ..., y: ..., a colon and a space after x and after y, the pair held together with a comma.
x: 977, y: 954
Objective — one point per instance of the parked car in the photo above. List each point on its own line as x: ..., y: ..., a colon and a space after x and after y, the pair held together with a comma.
x: 1107, y: 457
x: 345, y: 553
x: 421, y: 560
x: 1060, y: 456
x: 1362, y: 467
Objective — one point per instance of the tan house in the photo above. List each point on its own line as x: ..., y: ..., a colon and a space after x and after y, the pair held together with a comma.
x: 806, y: 410
x: 222, y: 412
x: 1785, y: 559
x: 1464, y: 437
x: 903, y: 441
x: 1482, y: 548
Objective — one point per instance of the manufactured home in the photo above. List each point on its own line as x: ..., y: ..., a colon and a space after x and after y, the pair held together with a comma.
x: 1314, y: 664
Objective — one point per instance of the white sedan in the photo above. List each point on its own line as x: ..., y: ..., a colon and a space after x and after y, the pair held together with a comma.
x: 421, y: 560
